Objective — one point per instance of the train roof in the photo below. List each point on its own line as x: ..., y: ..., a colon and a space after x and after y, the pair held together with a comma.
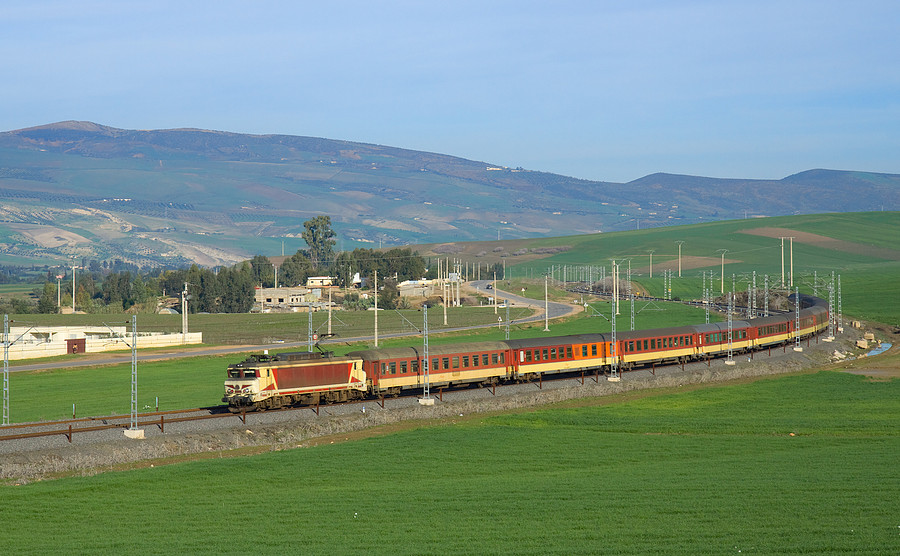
x: 556, y: 340
x: 415, y: 352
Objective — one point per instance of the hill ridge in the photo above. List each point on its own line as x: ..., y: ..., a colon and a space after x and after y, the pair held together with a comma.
x: 258, y: 189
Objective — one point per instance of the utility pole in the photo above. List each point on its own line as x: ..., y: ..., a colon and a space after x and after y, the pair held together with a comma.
x: 495, y: 293
x: 134, y: 382
x: 426, y: 369
x: 782, y: 263
x: 546, y: 307
x: 730, y: 360
x: 615, y: 287
x: 679, y: 242
x: 329, y: 311
x: 792, y: 262
x: 507, y: 319
x: 184, y: 313
x: 376, y: 308
x: 651, y: 263
x: 5, y: 369
x: 613, y: 347
x: 723, y: 251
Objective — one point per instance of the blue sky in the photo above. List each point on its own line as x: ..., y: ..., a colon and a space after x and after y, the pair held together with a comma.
x: 598, y: 90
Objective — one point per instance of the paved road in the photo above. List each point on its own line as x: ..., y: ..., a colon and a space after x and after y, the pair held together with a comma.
x: 92, y: 360
x: 555, y: 310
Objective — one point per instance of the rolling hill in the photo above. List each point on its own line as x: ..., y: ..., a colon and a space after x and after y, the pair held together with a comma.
x: 187, y: 195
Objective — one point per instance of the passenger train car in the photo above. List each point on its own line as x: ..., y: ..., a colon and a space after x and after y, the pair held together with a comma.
x: 269, y: 381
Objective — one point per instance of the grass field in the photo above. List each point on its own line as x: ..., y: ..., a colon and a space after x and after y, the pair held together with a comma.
x: 868, y: 262
x: 262, y: 328
x: 712, y: 471
x: 18, y: 290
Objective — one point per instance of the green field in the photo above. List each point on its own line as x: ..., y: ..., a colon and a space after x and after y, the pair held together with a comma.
x: 708, y: 471
x: 869, y: 266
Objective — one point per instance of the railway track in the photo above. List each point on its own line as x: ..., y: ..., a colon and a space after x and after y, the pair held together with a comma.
x: 158, y: 420
x: 70, y: 427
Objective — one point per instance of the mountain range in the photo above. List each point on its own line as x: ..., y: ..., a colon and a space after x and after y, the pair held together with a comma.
x: 176, y: 196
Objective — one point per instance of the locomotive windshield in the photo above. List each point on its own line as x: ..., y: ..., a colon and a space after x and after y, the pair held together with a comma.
x: 241, y: 373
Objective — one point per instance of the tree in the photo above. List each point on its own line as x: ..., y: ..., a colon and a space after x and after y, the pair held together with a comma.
x: 263, y: 271
x: 318, y: 236
x: 295, y: 270
x: 209, y: 296
x: 389, y: 295
x: 139, y: 292
x: 237, y: 288
x: 47, y: 303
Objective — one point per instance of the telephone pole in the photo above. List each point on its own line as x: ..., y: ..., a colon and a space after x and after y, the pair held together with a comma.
x: 680, y: 243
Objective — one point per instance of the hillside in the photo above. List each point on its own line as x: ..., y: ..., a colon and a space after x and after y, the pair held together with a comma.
x: 188, y: 195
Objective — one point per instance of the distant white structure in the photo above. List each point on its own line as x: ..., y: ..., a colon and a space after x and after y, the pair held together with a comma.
x: 290, y: 300
x: 417, y: 288
x: 50, y: 341
x: 319, y: 281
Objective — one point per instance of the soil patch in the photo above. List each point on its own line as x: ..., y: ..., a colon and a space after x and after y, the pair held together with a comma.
x: 827, y: 242
x: 687, y: 263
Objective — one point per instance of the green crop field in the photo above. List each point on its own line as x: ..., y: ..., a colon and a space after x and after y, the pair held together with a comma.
x: 17, y: 290
x: 788, y: 465
x: 865, y: 255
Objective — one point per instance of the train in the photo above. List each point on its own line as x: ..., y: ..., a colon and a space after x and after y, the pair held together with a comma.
x: 265, y: 381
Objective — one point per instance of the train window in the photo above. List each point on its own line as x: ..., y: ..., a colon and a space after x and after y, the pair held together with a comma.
x: 652, y: 343
x: 414, y: 365
x: 403, y: 367
x: 645, y: 345
x: 393, y: 366
x: 494, y: 358
x: 484, y: 360
x: 528, y: 356
x: 552, y: 353
x: 584, y: 350
x: 593, y: 349
x: 456, y: 361
x: 569, y: 352
x: 446, y: 362
x: 502, y: 358
x: 383, y: 367
x: 544, y: 355
x: 465, y: 361
x: 435, y: 365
